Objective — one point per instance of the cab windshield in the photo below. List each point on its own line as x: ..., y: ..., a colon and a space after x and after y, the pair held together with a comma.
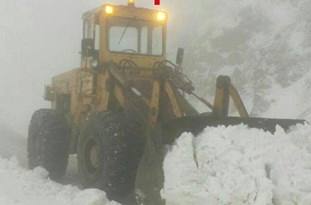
x: 135, y: 36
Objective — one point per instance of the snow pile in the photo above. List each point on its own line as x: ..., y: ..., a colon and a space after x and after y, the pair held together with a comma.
x: 22, y: 187
x: 238, y: 165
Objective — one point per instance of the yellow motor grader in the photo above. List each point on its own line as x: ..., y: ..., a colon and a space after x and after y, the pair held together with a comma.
x: 125, y: 102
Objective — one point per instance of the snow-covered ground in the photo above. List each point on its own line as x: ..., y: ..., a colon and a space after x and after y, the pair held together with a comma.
x: 264, y: 45
x: 240, y: 166
x: 234, y: 165
x: 24, y: 187
x: 20, y: 186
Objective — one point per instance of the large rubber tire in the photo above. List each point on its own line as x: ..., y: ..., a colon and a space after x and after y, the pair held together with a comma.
x: 48, y: 143
x: 109, y: 151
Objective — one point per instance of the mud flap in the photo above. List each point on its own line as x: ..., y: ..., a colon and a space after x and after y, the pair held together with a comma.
x: 150, y: 174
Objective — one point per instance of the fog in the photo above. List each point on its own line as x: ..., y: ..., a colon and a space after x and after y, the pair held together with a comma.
x: 41, y: 38
x: 38, y: 40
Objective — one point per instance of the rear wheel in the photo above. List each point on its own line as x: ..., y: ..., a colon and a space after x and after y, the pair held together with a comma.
x: 48, y: 142
x: 109, y: 151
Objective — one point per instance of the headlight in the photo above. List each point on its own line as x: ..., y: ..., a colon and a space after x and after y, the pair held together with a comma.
x: 161, y: 16
x: 131, y: 2
x: 109, y: 10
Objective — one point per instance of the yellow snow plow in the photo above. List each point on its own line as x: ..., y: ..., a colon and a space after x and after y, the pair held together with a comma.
x: 123, y: 104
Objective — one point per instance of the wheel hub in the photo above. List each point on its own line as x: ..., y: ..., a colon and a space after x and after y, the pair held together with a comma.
x: 94, y: 156
x: 92, y: 153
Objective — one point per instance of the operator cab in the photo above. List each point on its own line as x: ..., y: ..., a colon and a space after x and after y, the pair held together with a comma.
x: 135, y: 37
x: 113, y: 33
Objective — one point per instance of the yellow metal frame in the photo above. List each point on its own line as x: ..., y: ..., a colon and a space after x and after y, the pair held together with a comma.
x: 108, y: 88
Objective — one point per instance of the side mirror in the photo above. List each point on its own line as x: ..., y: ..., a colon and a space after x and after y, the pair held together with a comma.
x: 87, y: 47
x: 49, y: 93
x: 180, y: 56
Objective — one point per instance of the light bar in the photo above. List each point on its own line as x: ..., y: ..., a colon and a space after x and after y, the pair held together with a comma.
x: 161, y: 16
x: 131, y: 2
x: 109, y: 9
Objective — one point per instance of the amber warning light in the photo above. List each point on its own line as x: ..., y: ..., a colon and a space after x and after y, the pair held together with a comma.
x: 157, y: 2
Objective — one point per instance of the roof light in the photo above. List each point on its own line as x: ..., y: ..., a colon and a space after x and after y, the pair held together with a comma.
x: 109, y: 9
x: 161, y: 16
x: 131, y: 2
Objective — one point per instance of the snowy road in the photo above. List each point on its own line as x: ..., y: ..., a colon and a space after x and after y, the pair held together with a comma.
x: 221, y: 166
x: 24, y: 187
x: 19, y: 186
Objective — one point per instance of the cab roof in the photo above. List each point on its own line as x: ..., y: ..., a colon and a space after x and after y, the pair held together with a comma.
x: 126, y: 11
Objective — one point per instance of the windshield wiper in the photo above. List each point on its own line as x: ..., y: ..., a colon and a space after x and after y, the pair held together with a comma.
x: 124, y: 31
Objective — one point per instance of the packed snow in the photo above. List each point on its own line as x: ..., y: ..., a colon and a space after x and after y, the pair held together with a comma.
x: 240, y: 166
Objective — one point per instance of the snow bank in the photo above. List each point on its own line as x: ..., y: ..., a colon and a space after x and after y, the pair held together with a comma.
x: 19, y: 186
x: 238, y: 165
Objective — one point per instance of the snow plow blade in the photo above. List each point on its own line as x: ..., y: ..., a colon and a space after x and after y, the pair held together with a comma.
x: 196, y: 124
x: 150, y: 176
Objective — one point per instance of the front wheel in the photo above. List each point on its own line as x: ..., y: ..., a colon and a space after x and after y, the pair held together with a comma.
x: 109, y: 151
x: 48, y: 142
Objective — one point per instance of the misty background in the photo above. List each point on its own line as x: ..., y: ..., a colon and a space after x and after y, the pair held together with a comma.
x: 264, y: 45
